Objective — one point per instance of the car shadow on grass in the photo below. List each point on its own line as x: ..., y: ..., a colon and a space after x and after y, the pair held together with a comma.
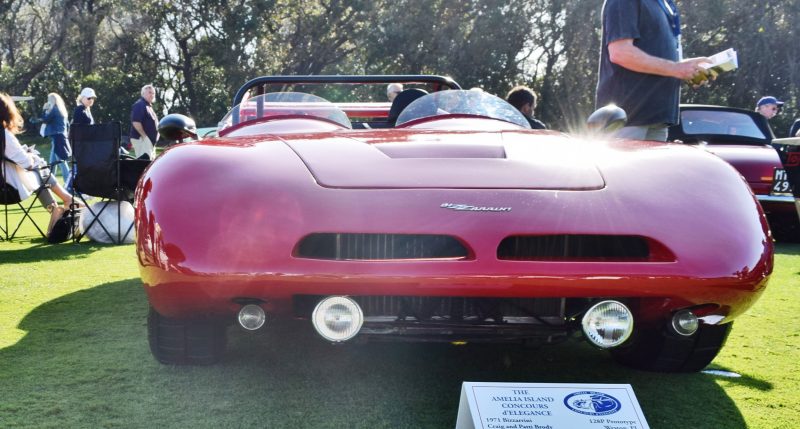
x: 84, y: 362
x: 730, y: 376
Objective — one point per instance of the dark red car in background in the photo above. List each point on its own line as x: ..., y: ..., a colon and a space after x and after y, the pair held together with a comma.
x: 744, y: 139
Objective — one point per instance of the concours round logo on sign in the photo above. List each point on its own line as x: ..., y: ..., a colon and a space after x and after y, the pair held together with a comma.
x: 592, y: 403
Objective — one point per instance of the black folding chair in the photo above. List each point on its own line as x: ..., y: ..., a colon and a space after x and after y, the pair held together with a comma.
x: 100, y: 173
x: 9, y: 196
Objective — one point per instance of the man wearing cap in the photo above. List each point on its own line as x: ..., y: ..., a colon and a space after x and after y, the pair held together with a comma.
x: 143, y: 123
x: 768, y: 106
x: 642, y: 66
x: 83, y: 111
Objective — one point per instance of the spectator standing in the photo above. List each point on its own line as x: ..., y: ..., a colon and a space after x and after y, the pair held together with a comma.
x: 768, y: 106
x: 83, y: 111
x: 642, y: 65
x: 524, y: 99
x: 54, y: 118
x: 143, y: 123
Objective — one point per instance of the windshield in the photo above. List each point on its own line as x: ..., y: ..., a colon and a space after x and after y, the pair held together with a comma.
x: 275, y: 104
x: 460, y: 102
x: 704, y: 122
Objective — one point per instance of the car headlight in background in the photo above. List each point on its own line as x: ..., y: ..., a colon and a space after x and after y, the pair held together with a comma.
x: 607, y: 324
x: 337, y: 318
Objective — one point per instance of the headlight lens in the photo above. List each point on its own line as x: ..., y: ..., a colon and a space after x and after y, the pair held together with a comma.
x: 607, y: 324
x: 252, y: 317
x: 685, y: 323
x: 337, y: 318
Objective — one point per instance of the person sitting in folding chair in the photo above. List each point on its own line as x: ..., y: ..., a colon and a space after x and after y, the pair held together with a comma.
x: 24, y: 169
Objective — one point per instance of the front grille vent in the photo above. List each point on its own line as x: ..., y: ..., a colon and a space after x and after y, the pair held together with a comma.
x: 573, y: 247
x: 453, y: 309
x: 371, y: 247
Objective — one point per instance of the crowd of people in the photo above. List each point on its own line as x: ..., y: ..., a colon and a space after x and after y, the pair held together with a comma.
x: 27, y: 171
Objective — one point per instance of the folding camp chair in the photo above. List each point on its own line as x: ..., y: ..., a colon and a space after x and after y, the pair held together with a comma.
x: 100, y: 173
x: 9, y: 196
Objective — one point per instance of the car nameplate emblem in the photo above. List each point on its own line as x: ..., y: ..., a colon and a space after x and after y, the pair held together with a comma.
x: 471, y: 208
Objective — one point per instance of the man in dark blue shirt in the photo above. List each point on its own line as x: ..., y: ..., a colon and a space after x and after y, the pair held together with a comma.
x: 143, y: 123
x: 641, y: 65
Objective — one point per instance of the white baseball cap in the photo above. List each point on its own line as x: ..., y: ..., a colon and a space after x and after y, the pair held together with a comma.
x: 88, y: 93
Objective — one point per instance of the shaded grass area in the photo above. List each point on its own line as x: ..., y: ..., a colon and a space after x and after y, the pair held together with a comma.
x: 73, y: 353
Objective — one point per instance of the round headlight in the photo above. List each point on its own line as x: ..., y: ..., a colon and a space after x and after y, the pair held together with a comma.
x: 607, y: 324
x: 685, y: 323
x: 252, y: 317
x: 337, y: 318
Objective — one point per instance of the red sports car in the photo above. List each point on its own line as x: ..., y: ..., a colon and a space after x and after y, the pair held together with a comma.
x: 441, y: 217
x: 745, y: 140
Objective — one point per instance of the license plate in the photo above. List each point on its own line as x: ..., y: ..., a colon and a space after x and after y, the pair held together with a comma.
x: 780, y: 182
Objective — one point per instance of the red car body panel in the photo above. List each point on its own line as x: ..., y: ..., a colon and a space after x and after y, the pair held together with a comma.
x: 220, y: 220
x: 757, y: 165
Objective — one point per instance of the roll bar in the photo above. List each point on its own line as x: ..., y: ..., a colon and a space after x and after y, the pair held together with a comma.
x: 438, y: 82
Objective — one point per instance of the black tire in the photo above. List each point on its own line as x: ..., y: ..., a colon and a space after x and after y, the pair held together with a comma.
x: 185, y: 342
x: 662, y: 350
x: 785, y: 228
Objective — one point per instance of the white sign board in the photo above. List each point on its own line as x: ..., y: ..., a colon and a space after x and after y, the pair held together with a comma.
x: 548, y: 406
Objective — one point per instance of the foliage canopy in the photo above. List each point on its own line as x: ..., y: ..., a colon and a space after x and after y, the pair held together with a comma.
x: 198, y: 52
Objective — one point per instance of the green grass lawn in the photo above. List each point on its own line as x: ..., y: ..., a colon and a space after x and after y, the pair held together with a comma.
x: 73, y: 353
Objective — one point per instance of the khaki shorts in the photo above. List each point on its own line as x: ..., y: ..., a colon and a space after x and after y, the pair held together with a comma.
x: 143, y: 146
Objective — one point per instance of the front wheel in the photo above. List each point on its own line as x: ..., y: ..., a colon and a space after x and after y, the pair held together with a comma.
x: 185, y: 342
x: 665, y: 351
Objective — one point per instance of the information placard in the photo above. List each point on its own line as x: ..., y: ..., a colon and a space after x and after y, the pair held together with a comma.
x: 548, y: 406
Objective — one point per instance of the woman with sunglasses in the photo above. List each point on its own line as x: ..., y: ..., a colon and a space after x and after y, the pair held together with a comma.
x: 83, y: 112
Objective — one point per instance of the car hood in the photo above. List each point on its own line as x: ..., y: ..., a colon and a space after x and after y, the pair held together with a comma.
x: 454, y: 160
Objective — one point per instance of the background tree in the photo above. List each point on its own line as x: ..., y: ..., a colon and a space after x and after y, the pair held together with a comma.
x: 763, y: 34
x: 198, y: 52
x: 476, y: 42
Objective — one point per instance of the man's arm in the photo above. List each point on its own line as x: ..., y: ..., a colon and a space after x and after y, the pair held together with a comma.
x: 139, y: 129
x: 624, y: 54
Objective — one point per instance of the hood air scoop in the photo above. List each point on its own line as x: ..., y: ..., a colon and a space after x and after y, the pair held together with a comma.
x: 547, y: 163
